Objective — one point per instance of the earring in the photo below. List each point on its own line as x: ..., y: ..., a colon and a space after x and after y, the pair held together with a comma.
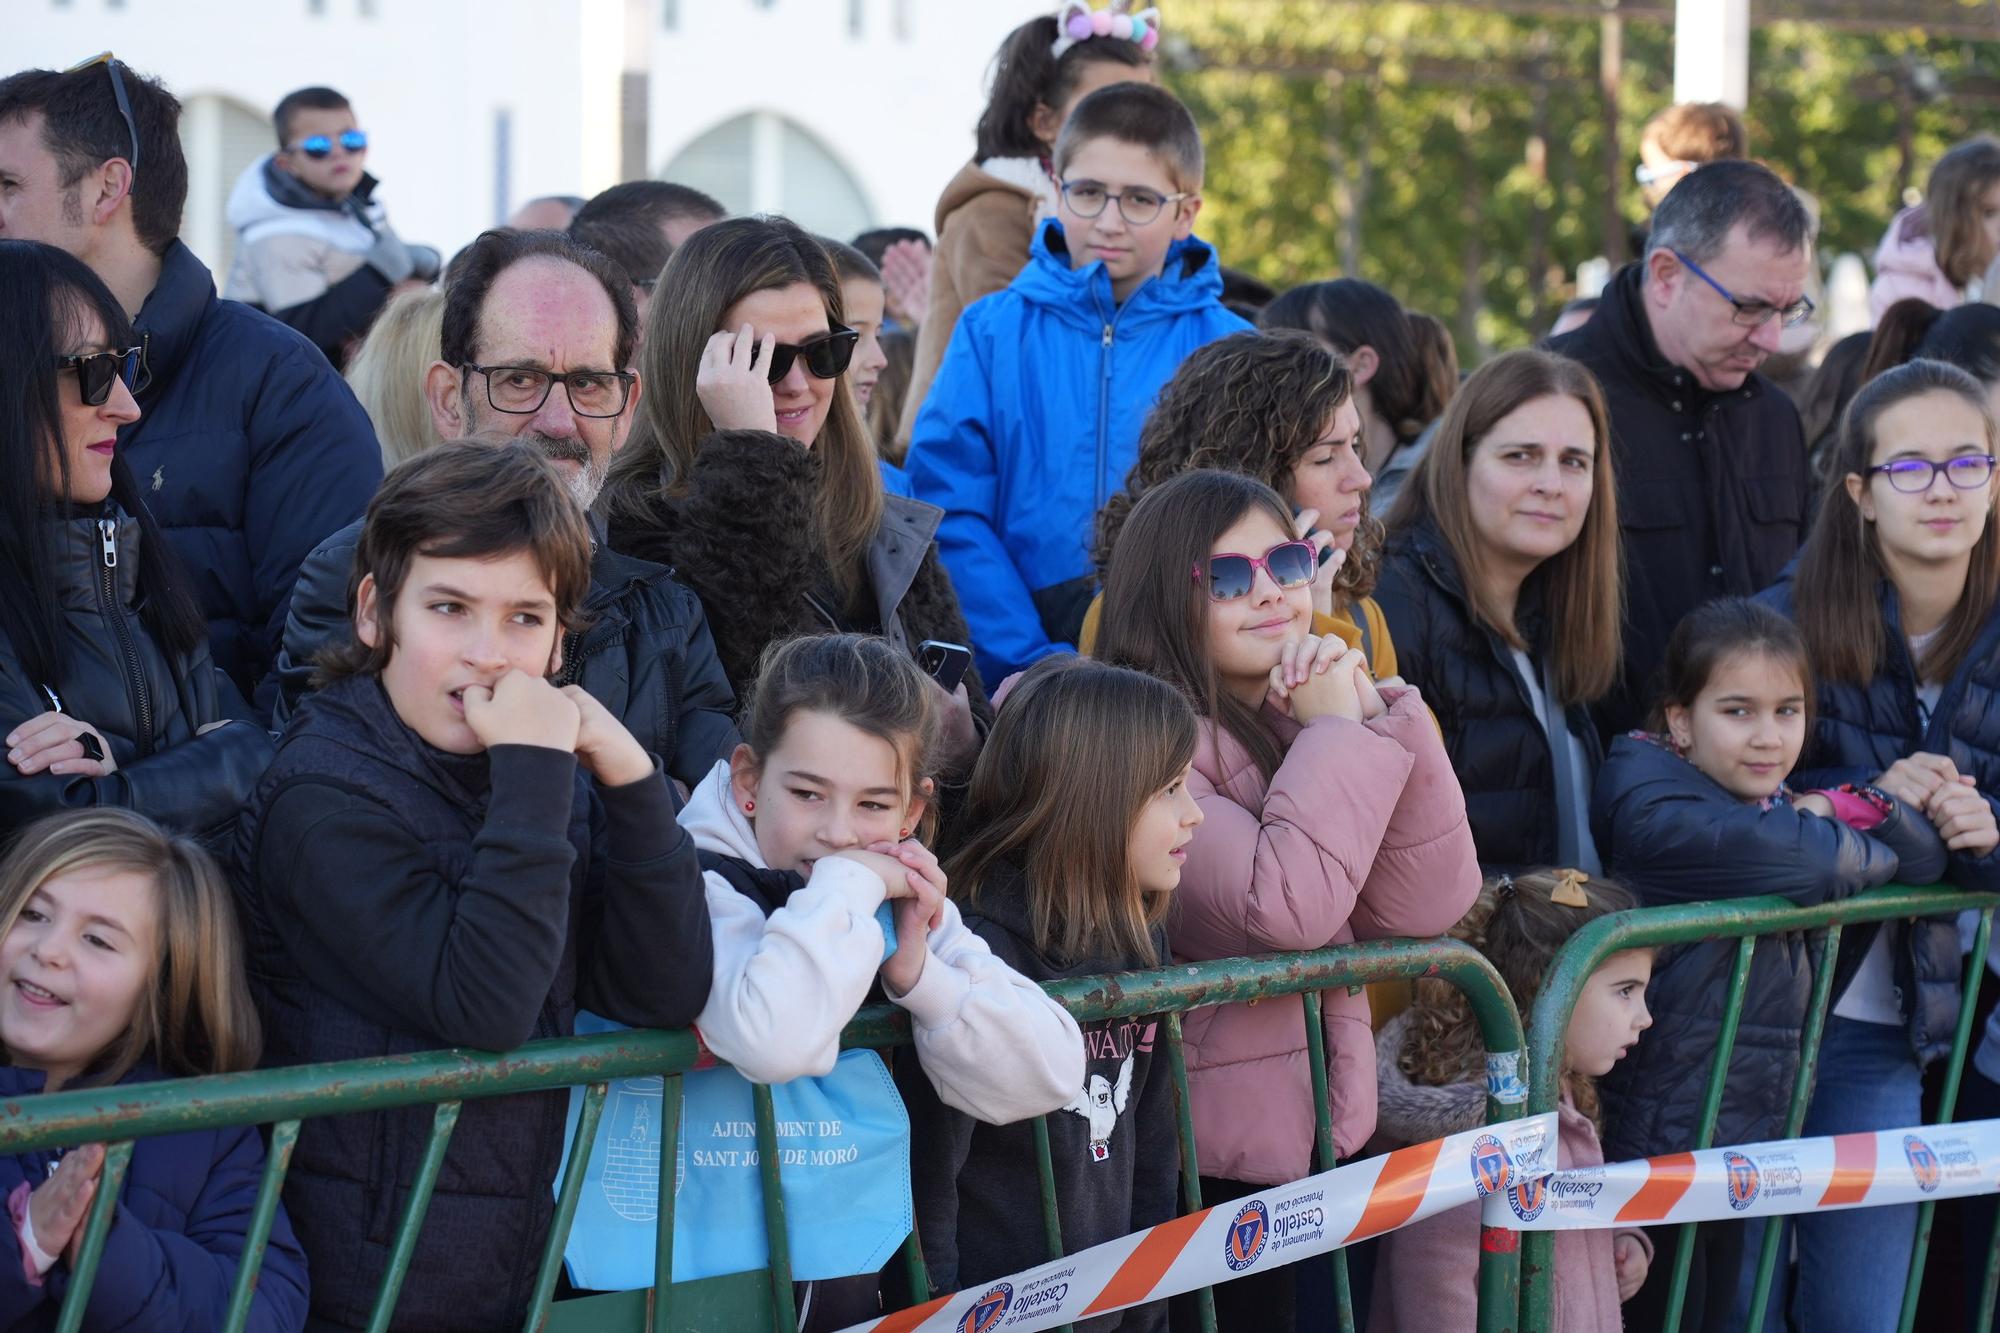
x: 902, y: 833
x: 749, y: 807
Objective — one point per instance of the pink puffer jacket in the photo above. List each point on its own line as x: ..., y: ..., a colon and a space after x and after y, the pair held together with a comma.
x: 1906, y: 265
x: 1360, y: 834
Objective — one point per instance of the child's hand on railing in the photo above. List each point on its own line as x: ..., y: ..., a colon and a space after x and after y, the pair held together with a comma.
x: 59, y: 1205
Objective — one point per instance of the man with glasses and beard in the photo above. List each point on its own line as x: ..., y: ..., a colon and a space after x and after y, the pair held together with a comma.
x: 248, y: 448
x: 1711, y: 458
x: 537, y: 332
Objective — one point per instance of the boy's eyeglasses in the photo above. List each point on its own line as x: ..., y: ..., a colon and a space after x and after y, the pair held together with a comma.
x: 1230, y: 576
x: 96, y: 371
x: 114, y: 65
x: 317, y: 146
x: 1647, y: 175
x: 1137, y: 206
x: 826, y: 356
x: 1914, y: 476
x: 522, y: 390
x: 1752, y: 314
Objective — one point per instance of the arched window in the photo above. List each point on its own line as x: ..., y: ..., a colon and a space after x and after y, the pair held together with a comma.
x: 762, y: 162
x: 221, y: 136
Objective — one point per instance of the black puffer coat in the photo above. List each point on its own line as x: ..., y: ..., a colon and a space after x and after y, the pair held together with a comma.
x: 646, y: 654
x: 1858, y: 732
x: 1467, y: 673
x: 1671, y: 834
x: 123, y: 683
x: 742, y: 538
x: 1712, y: 487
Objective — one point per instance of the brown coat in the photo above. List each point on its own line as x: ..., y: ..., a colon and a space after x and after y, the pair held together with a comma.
x: 984, y: 227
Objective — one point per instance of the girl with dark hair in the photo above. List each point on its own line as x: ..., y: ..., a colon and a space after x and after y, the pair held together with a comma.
x: 107, y: 690
x: 1279, y: 407
x: 751, y: 473
x: 1895, y: 598
x: 1699, y: 809
x: 1398, y: 389
x: 986, y: 216
x: 1505, y: 593
x: 1431, y: 1067
x: 1331, y: 815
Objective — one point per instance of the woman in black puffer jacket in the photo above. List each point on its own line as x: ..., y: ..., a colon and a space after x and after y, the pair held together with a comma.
x: 762, y: 493
x: 107, y: 692
x: 1503, y: 590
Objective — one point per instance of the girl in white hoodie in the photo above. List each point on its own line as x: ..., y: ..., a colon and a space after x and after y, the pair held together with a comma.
x: 808, y: 829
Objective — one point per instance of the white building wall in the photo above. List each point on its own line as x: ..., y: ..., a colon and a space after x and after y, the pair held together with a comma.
x: 889, y: 88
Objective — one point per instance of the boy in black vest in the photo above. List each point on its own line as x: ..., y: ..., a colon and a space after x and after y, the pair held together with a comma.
x: 450, y: 851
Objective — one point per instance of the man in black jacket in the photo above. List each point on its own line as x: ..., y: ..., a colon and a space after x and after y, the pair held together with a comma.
x: 249, y: 448
x: 646, y: 655
x: 1710, y: 456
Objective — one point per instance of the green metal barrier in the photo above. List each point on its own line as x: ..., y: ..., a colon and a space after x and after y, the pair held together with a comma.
x: 1743, y: 919
x: 281, y: 1098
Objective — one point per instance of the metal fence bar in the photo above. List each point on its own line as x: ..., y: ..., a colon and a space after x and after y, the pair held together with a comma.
x: 784, y: 1311
x: 443, y: 1121
x: 580, y: 1145
x: 1324, y: 1156
x: 1961, y: 1039
x: 672, y: 1095
x: 1190, y: 1164
x: 284, y: 1137
x: 1045, y: 1176
x: 1682, y: 924
x: 1795, y: 1117
x: 83, y: 1273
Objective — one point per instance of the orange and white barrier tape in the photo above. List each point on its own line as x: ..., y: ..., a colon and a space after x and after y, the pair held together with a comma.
x: 1759, y: 1180
x: 1274, y: 1227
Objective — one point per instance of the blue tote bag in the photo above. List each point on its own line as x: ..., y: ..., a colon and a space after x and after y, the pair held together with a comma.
x: 844, y: 1146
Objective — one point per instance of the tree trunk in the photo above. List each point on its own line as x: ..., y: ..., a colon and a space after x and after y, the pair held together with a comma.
x: 1610, y: 74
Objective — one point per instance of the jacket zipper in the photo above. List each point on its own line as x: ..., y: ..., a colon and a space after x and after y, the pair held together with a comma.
x: 114, y: 616
x: 1104, y: 402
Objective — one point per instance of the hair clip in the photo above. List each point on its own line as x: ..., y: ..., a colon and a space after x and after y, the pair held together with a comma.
x: 1569, y: 889
x: 1077, y: 22
x: 1503, y: 888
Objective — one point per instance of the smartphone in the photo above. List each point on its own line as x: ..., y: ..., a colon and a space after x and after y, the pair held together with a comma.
x: 944, y: 662
x: 1326, y: 552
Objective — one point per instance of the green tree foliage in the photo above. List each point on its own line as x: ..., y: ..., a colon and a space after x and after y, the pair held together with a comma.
x: 1457, y: 154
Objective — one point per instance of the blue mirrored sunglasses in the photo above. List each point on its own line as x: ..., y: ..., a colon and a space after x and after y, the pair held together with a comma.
x: 319, y: 145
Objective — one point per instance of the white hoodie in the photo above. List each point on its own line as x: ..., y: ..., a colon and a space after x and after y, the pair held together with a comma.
x: 992, y: 1043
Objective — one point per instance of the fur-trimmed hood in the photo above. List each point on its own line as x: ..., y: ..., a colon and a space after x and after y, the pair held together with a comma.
x: 1410, y: 1112
x: 741, y: 535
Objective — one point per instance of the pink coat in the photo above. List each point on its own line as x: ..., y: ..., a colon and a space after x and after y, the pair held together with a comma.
x: 1427, y: 1275
x: 1906, y: 265
x: 1361, y: 834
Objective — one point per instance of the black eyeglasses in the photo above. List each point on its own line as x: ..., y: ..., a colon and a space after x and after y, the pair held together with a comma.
x: 1138, y: 206
x: 523, y: 389
x: 96, y: 372
x: 1752, y: 314
x: 826, y: 356
x: 1230, y: 576
x: 115, y: 65
x: 1914, y: 476
x: 319, y: 145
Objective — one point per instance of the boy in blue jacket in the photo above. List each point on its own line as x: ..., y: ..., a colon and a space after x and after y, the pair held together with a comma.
x: 1034, y: 417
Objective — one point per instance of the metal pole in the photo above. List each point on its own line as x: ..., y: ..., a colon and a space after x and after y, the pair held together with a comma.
x: 1712, y: 51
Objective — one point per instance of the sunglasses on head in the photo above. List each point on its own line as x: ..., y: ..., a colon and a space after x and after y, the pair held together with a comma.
x: 826, y: 356
x: 113, y: 66
x: 1230, y: 576
x: 319, y: 145
x: 95, y: 372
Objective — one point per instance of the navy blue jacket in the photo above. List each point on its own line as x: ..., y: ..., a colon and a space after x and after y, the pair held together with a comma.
x: 1033, y: 421
x: 170, y: 1260
x: 1858, y: 732
x: 250, y: 450
x: 1671, y: 834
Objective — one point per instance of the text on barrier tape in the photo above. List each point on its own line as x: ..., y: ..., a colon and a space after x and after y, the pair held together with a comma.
x: 1274, y: 1227
x: 1868, y: 1170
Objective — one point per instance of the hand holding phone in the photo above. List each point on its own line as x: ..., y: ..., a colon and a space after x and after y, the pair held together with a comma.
x: 944, y: 662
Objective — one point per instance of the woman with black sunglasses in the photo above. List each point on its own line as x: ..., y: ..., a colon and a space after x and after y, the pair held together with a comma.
x: 107, y: 692
x: 1502, y: 586
x: 752, y: 474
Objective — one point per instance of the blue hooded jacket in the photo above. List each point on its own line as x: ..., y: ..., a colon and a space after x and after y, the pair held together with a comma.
x: 1032, y: 423
x: 250, y: 451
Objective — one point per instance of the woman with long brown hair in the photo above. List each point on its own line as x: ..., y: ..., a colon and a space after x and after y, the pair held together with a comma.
x: 1944, y: 250
x: 1504, y: 589
x: 1278, y: 406
x: 751, y: 474
x: 1895, y: 596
